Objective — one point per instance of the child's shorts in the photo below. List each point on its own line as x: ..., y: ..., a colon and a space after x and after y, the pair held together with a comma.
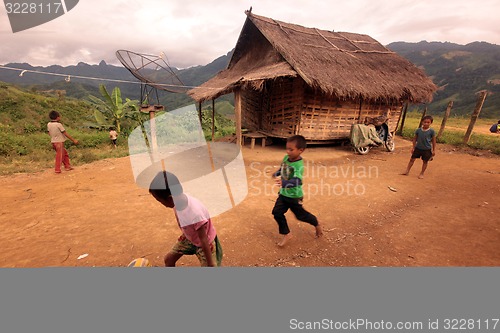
x: 426, y: 155
x: 184, y: 246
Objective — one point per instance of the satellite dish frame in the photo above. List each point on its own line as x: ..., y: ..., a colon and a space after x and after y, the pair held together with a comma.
x: 148, y: 87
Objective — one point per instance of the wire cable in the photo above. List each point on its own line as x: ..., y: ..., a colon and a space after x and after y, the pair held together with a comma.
x: 68, y: 76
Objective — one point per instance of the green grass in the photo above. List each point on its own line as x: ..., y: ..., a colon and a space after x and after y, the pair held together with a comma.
x: 455, y: 131
x: 33, y: 152
x: 26, y: 148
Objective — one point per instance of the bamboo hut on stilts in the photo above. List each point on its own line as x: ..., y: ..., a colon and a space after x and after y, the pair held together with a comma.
x: 289, y: 79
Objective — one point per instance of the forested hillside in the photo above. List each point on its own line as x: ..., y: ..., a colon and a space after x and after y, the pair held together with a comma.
x: 80, y: 86
x: 460, y: 71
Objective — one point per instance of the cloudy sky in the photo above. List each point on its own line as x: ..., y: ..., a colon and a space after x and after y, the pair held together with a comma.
x: 195, y: 32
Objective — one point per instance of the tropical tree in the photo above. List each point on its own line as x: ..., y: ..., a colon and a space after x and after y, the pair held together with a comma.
x: 112, y: 109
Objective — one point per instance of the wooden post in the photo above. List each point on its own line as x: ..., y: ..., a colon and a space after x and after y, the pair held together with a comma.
x: 199, y: 112
x: 423, y: 115
x: 403, y: 117
x: 213, y: 119
x: 360, y: 121
x: 152, y: 125
x: 445, y: 118
x: 237, y: 113
x: 151, y: 110
x: 475, y: 114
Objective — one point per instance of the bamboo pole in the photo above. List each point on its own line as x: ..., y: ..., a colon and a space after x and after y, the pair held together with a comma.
x: 445, y: 118
x: 360, y: 110
x: 213, y: 119
x: 237, y: 113
x: 403, y: 117
x: 475, y: 114
x: 199, y: 112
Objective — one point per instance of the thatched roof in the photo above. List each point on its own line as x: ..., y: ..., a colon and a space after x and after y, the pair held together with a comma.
x: 346, y: 65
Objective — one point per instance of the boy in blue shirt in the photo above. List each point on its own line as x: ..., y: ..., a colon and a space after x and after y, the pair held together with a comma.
x: 291, y: 193
x: 424, y: 146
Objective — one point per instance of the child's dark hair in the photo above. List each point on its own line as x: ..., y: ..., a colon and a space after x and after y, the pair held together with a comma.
x: 165, y: 184
x: 299, y: 140
x: 428, y: 117
x: 53, y: 115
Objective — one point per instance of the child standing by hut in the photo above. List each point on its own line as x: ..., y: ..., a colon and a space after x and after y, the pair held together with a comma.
x: 424, y: 146
x: 291, y: 193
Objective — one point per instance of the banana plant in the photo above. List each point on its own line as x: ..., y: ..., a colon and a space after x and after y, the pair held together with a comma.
x: 138, y: 117
x: 111, y: 110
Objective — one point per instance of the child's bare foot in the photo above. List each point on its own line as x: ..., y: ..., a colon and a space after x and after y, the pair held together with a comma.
x: 421, y: 176
x: 404, y: 173
x: 285, y: 240
x: 319, y: 231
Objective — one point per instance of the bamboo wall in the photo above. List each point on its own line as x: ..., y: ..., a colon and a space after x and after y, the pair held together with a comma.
x: 251, y: 104
x: 286, y: 107
x: 376, y: 109
x: 327, y: 118
x: 284, y: 97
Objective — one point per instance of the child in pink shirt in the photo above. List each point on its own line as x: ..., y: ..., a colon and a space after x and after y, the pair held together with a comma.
x: 198, y: 233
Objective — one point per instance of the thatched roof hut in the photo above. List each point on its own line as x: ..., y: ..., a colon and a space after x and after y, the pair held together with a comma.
x: 290, y: 79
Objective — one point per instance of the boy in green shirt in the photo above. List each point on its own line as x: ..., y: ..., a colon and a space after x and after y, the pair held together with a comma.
x: 291, y: 193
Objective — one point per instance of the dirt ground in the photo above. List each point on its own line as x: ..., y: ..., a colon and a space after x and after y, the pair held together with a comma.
x: 95, y: 215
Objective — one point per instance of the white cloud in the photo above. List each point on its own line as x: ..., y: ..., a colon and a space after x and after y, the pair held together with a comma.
x: 195, y: 32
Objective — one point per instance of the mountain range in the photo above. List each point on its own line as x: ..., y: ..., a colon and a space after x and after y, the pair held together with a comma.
x: 460, y: 71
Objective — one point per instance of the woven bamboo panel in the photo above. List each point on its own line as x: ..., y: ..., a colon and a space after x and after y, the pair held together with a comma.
x: 393, y: 111
x: 251, y: 106
x: 285, y: 108
x: 282, y: 118
x: 395, y: 115
x: 327, y: 118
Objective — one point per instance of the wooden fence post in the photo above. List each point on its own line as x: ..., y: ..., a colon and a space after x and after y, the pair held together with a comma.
x: 423, y: 115
x: 445, y: 118
x: 475, y: 114
x: 403, y: 117
x: 213, y: 120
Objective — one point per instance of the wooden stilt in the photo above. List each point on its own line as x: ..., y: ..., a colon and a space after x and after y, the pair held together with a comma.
x: 213, y: 119
x: 199, y: 112
x: 237, y: 113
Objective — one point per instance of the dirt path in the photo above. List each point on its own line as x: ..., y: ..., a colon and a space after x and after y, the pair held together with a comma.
x: 450, y: 218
